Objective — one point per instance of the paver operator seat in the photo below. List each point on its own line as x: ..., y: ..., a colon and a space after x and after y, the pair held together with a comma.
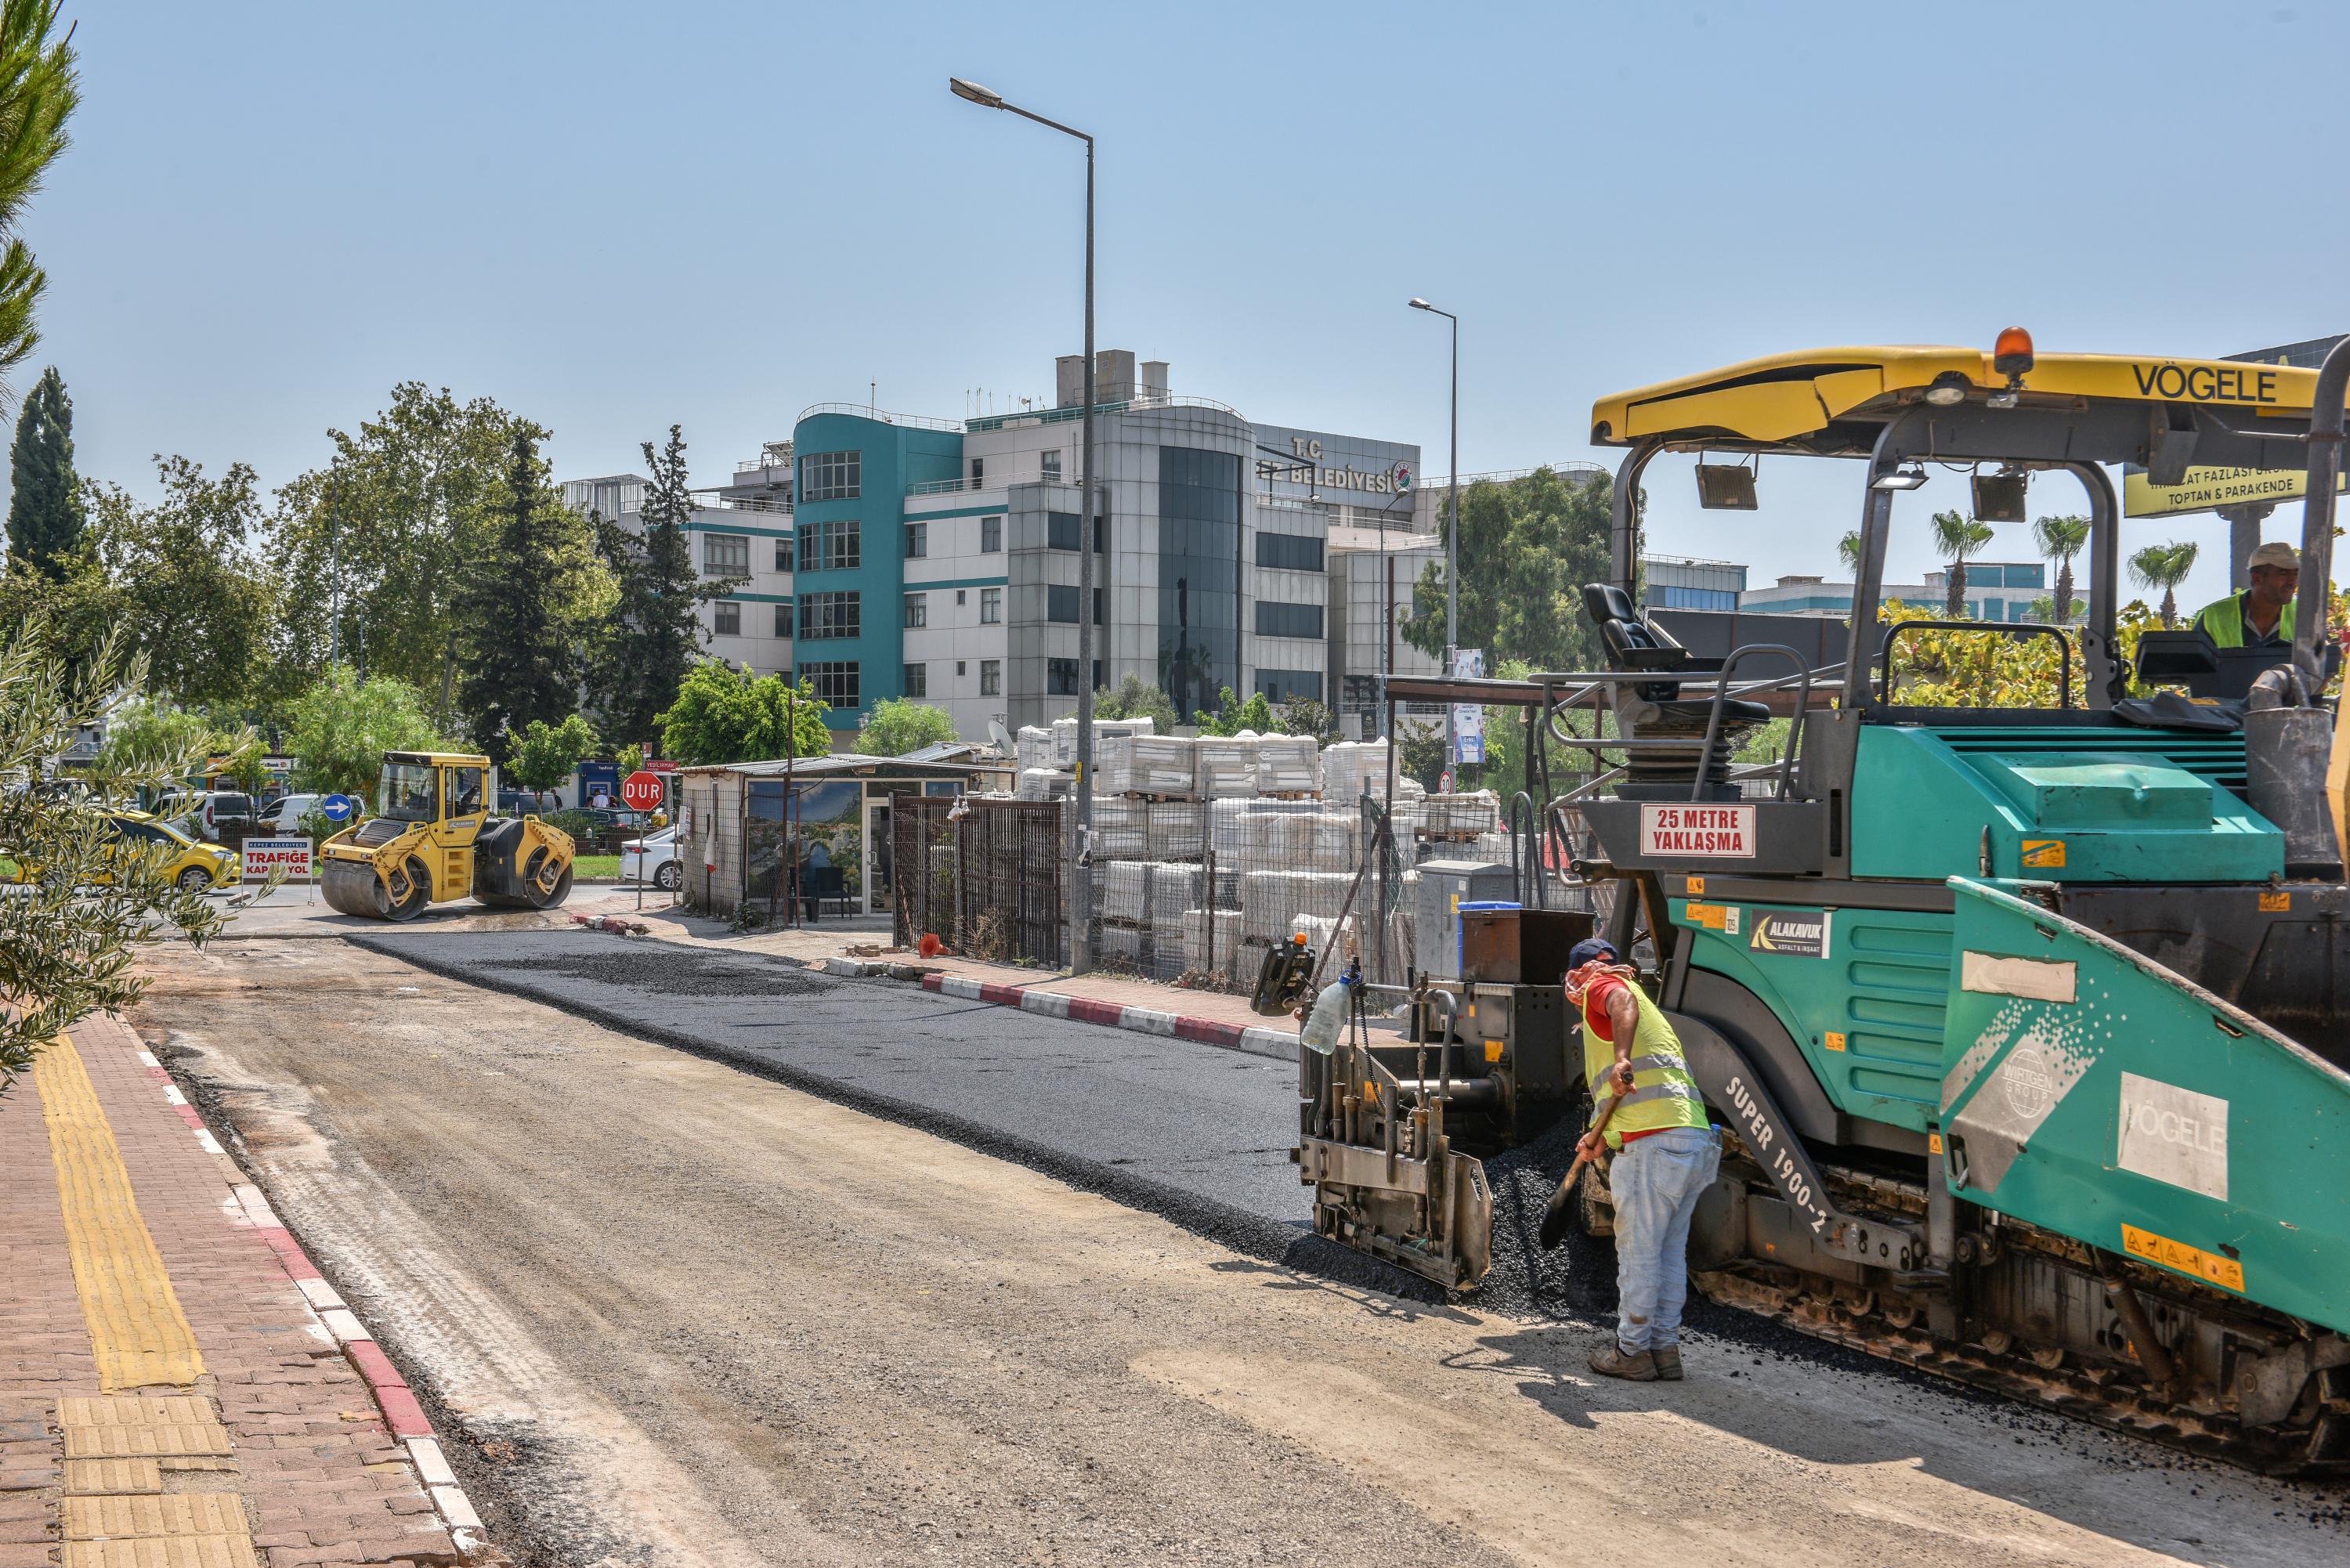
x: 1655, y: 709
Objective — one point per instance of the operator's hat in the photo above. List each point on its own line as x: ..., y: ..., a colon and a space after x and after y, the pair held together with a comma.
x: 2275, y: 553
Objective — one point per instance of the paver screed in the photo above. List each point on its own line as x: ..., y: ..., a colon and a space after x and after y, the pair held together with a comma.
x: 168, y: 1398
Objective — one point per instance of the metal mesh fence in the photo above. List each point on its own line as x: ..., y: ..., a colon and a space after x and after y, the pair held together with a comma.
x: 983, y: 874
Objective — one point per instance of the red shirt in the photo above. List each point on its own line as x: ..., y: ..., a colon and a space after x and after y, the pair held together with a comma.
x: 1594, y: 1014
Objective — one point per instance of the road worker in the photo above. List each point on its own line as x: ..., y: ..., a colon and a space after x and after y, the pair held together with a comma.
x: 1666, y: 1155
x: 2260, y: 616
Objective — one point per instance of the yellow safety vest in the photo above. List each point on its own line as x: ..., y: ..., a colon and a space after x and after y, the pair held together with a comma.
x: 2224, y: 619
x: 1663, y: 1093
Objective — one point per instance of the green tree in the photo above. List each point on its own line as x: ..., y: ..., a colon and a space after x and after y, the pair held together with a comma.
x: 38, y: 92
x: 142, y: 734
x: 896, y: 725
x: 1957, y: 536
x: 67, y: 942
x: 192, y: 581
x: 722, y: 714
x: 392, y: 530
x: 1306, y: 716
x: 655, y: 633
x: 1527, y: 546
x: 1419, y: 750
x: 1232, y: 715
x: 544, y: 755
x: 2164, y: 567
x: 1848, y: 552
x: 2059, y: 539
x: 338, y: 731
x: 1136, y: 698
x: 524, y: 606
x: 45, y: 509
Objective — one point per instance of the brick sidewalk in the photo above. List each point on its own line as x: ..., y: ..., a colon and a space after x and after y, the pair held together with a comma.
x: 169, y: 1393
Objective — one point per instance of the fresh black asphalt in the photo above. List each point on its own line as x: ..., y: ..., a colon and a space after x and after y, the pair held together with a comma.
x: 1196, y: 1132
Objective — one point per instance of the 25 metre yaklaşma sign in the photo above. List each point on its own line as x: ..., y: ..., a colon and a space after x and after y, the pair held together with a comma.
x: 1725, y: 832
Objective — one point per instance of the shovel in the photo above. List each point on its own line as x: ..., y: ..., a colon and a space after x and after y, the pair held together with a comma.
x: 1554, y: 1224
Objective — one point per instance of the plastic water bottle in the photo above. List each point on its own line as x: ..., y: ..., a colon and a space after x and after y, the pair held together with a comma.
x: 1328, y: 1019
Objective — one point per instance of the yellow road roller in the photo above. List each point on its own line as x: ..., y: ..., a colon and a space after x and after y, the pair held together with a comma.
x: 434, y: 839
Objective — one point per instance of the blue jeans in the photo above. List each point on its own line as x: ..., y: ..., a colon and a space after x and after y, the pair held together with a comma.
x: 1656, y: 1181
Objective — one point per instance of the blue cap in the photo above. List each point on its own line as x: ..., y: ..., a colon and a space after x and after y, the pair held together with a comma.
x: 1590, y: 948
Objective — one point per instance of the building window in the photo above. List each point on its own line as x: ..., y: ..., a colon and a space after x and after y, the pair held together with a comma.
x: 918, y: 610
x: 1276, y: 620
x: 726, y: 618
x: 991, y: 678
x: 835, y: 681
x: 1061, y: 531
x: 1669, y: 596
x: 918, y: 541
x: 727, y: 554
x: 831, y: 476
x: 918, y: 681
x: 1280, y: 685
x: 783, y: 555
x: 959, y: 663
x: 991, y: 535
x: 1289, y: 552
x: 1061, y: 604
x: 831, y: 546
x: 1049, y: 466
x: 827, y: 616
x: 1060, y: 677
x: 783, y: 619
x: 978, y: 471
x: 991, y: 606
x: 959, y: 594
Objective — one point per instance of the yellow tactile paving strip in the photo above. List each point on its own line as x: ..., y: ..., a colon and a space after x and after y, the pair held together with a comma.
x: 137, y: 1330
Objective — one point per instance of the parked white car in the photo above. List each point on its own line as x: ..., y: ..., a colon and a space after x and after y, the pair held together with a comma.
x: 652, y: 856
x: 285, y: 815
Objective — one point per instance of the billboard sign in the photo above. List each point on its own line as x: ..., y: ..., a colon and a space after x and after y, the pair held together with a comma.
x: 1468, y: 718
x: 265, y: 856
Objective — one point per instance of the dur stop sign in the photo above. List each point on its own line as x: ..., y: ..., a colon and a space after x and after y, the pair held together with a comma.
x: 641, y: 791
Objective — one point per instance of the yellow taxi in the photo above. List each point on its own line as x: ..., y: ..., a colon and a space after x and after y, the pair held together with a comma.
x: 192, y: 867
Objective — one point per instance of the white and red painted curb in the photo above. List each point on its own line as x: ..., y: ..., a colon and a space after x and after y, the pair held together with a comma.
x: 1280, y: 1043
x: 336, y: 1323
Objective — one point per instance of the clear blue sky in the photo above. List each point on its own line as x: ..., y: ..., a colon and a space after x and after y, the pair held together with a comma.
x: 616, y: 217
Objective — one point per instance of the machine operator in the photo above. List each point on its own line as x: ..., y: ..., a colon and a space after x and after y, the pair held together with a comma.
x: 1668, y: 1154
x: 2262, y: 616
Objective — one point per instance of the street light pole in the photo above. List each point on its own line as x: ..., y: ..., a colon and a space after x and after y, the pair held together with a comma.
x: 1451, y: 546
x: 1081, y: 957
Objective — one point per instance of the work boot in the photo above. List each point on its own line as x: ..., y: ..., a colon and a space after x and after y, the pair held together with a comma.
x: 1610, y: 1360
x: 1667, y: 1358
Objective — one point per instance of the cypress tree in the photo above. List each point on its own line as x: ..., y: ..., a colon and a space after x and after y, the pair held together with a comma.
x: 44, y: 512
x: 656, y: 631
x: 522, y: 662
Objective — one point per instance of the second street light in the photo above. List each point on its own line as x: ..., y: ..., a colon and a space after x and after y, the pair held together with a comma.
x: 1451, y: 549
x: 1081, y: 954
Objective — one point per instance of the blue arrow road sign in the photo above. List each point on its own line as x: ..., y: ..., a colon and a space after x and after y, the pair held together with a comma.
x: 337, y: 807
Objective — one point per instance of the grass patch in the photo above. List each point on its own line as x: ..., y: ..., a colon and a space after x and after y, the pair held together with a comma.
x: 595, y: 866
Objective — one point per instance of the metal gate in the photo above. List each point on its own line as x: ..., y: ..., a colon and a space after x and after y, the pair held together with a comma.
x: 984, y: 876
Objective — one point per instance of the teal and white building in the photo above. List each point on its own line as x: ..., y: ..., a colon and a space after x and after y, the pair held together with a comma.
x: 886, y: 554
x: 1996, y: 590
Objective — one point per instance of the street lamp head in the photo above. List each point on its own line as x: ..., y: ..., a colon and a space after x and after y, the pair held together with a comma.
x: 1418, y: 304
x: 985, y: 96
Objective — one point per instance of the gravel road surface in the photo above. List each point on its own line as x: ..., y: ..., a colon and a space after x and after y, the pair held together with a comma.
x: 669, y: 1312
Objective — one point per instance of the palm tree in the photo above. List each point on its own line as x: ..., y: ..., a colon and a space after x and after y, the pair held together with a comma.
x: 1957, y: 536
x: 2060, y: 539
x: 1848, y: 552
x: 2164, y: 567
x: 38, y: 93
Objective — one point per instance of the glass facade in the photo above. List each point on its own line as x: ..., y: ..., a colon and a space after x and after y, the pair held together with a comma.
x: 1061, y: 532
x: 1280, y: 685
x: 835, y: 546
x: 1669, y: 597
x: 829, y: 615
x: 1276, y: 620
x: 1198, y: 575
x: 831, y: 476
x: 1290, y: 552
